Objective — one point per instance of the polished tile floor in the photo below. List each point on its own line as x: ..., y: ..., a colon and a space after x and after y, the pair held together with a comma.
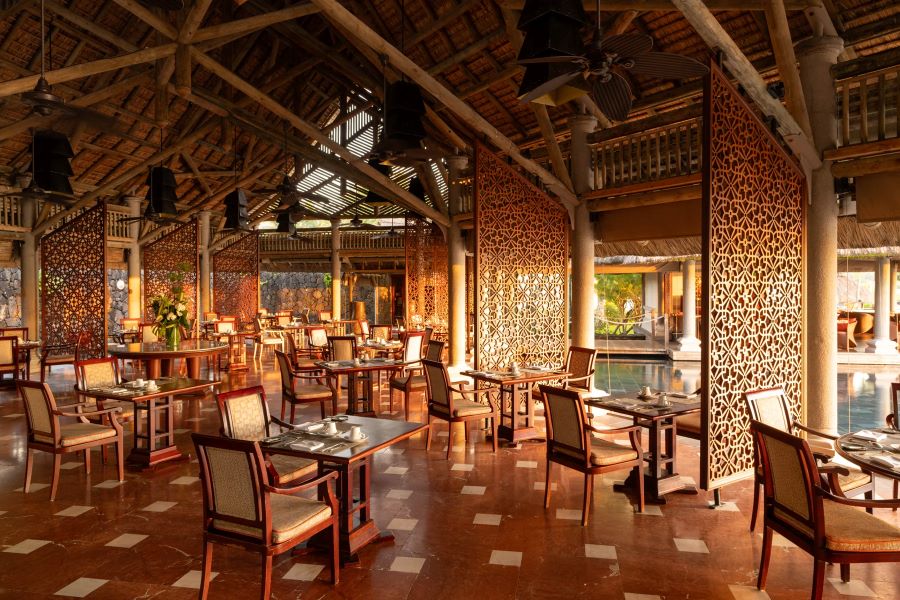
x: 469, y: 527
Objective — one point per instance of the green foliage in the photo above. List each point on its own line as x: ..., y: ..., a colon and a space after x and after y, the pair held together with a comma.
x: 326, y: 280
x: 620, y: 301
x: 171, y: 310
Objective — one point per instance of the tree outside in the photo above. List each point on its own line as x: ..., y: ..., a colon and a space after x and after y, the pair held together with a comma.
x: 620, y: 303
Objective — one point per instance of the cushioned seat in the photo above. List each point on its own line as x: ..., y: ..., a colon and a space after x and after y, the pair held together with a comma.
x: 849, y: 529
x: 291, y: 468
x: 688, y: 425
x: 854, y: 480
x: 291, y: 516
x: 72, y: 434
x: 308, y: 392
x: 604, y: 453
x: 464, y: 408
x: 401, y: 382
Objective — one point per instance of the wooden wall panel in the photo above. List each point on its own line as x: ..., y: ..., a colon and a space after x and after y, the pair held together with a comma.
x: 179, y: 246
x: 521, y: 281
x: 74, y: 291
x: 236, y: 279
x: 753, y: 240
x: 426, y: 274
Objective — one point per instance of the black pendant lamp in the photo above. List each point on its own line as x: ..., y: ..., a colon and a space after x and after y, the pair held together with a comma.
x: 534, y: 10
x: 374, y: 198
x: 404, y: 109
x: 51, y: 153
x: 236, y: 217
x: 284, y: 223
x: 543, y: 74
x: 416, y: 188
x: 161, y: 196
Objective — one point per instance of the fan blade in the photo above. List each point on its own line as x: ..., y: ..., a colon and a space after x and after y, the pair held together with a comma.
x: 613, y: 97
x: 550, y: 85
x: 563, y: 58
x: 668, y: 66
x: 628, y: 45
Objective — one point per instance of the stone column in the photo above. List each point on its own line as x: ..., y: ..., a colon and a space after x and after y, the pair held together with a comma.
x: 816, y: 55
x: 204, y: 263
x: 583, y: 236
x: 892, y: 284
x: 336, y: 268
x: 882, y: 344
x: 134, y: 260
x: 456, y: 266
x: 688, y: 339
x: 29, y: 303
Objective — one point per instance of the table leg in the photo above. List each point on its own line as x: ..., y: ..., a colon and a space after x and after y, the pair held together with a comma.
x: 158, y: 436
x: 334, y: 384
x: 153, y: 367
x: 193, y: 367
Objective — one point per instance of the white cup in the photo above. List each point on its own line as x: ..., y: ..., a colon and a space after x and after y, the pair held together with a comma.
x: 355, y: 432
x: 139, y: 382
x: 645, y: 391
x: 151, y: 385
x: 355, y: 362
x: 331, y: 427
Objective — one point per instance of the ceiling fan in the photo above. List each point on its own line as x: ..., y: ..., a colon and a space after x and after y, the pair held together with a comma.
x: 598, y: 64
x: 43, y: 102
x: 357, y: 223
x: 390, y: 233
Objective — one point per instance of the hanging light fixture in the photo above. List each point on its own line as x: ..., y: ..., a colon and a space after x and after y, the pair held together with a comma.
x: 236, y: 216
x: 161, y: 196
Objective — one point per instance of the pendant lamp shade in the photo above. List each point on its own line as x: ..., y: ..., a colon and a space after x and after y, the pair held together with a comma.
x: 551, y: 35
x: 51, y: 153
x: 236, y: 211
x: 284, y: 223
x: 161, y: 196
x: 374, y: 198
x: 544, y: 74
x: 416, y: 188
x: 571, y: 10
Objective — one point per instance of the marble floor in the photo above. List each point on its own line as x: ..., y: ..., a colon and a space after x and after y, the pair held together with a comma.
x: 473, y: 526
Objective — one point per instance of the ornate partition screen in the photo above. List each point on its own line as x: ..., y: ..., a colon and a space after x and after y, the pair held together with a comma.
x: 74, y: 291
x: 179, y: 246
x: 521, y: 282
x: 236, y: 278
x: 426, y: 274
x: 753, y: 240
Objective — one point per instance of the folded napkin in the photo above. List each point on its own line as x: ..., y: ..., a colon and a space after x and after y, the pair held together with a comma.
x: 865, y: 434
x: 887, y: 461
x: 309, y: 445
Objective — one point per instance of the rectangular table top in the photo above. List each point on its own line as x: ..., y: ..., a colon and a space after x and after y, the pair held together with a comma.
x: 526, y: 375
x: 340, y: 367
x: 166, y: 386
x: 379, y: 434
x: 634, y: 407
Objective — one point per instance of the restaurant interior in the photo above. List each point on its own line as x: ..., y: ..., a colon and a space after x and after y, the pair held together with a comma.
x: 403, y: 299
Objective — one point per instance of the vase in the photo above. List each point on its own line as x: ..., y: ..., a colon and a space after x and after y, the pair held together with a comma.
x: 173, y: 336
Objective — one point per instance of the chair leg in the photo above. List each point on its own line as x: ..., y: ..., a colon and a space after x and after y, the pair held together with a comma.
x: 282, y: 409
x: 764, y: 557
x: 207, y: 568
x: 335, y: 554
x: 29, y: 462
x: 755, y: 508
x: 639, y: 474
x: 293, y: 411
x: 322, y: 408
x: 586, y: 504
x: 818, y: 579
x: 449, y: 438
x: 87, y: 461
x: 54, y: 479
x: 427, y: 436
x: 547, y: 486
x: 845, y: 572
x: 391, y: 399
x: 406, y: 403
x: 869, y: 496
x: 494, y: 433
x: 266, y: 577
x: 120, y: 458
x: 896, y: 492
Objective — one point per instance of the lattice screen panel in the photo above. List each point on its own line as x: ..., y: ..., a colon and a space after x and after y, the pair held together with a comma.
x: 179, y: 246
x: 753, y: 262
x: 236, y: 278
x: 426, y: 274
x: 74, y: 290
x: 521, y: 282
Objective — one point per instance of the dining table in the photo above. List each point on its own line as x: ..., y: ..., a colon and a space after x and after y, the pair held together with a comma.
x: 661, y: 477
x: 354, y: 370
x: 25, y: 348
x: 154, y: 416
x: 158, y: 357
x: 352, y: 459
x: 515, y: 391
x: 873, y: 450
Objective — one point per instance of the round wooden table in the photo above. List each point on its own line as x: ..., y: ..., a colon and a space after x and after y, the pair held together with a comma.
x: 159, y: 358
x: 862, y: 453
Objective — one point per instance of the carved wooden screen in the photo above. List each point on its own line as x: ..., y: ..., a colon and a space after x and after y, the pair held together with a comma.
x: 521, y: 282
x: 162, y: 257
x: 753, y: 240
x: 426, y: 275
x: 236, y: 278
x: 74, y: 290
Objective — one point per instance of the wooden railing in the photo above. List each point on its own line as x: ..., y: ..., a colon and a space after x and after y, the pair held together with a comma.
x: 320, y: 242
x: 10, y: 212
x: 868, y: 105
x: 115, y: 228
x: 669, y: 150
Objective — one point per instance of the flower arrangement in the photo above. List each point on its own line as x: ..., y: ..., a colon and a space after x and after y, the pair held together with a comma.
x: 171, y: 310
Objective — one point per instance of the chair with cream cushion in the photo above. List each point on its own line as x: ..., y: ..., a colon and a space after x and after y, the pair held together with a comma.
x: 411, y: 378
x: 299, y: 388
x: 456, y: 405
x: 244, y: 415
x: 299, y: 357
x: 571, y: 444
x: 101, y: 372
x: 10, y: 357
x: 48, y: 433
x: 831, y: 528
x: 241, y: 507
x: 770, y: 407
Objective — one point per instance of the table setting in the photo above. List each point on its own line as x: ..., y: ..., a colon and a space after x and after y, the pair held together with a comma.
x: 329, y: 435
x: 877, y: 448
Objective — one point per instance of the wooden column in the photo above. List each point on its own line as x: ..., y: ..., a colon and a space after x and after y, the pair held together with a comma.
x: 583, y: 294
x: 688, y: 340
x: 882, y: 344
x: 28, y: 262
x: 336, y: 268
x: 204, y: 263
x: 456, y: 265
x: 134, y: 260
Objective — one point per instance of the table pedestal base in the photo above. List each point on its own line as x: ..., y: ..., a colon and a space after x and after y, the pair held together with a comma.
x: 655, y: 489
x: 154, y: 435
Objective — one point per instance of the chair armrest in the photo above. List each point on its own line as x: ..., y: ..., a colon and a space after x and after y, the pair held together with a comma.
x: 628, y: 429
x: 290, y: 491
x: 815, y: 432
x: 115, y: 409
x: 835, y: 469
x: 890, y: 503
x: 576, y: 379
x: 281, y: 423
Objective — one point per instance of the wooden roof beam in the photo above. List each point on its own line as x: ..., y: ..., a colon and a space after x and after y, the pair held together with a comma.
x: 783, y: 49
x: 671, y: 5
x: 149, y: 17
x: 705, y: 23
x: 340, y: 16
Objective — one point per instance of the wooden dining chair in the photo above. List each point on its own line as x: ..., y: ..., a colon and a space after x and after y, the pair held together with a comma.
x: 244, y: 415
x: 299, y: 358
x: 241, y: 507
x: 317, y: 342
x: 210, y: 316
x: 893, y: 421
x: 22, y: 334
x: 148, y: 336
x: 381, y: 332
x: 770, y: 407
x: 10, y: 358
x: 57, y: 355
x: 324, y: 315
x: 580, y: 363
x: 829, y: 527
x: 410, y: 378
x: 47, y: 432
x: 571, y: 443
x: 101, y: 372
x: 300, y: 388
x: 283, y: 320
x: 456, y: 405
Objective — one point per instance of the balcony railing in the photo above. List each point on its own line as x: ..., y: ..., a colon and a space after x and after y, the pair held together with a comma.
x: 320, y: 242
x: 670, y: 150
x: 10, y: 212
x: 868, y: 105
x: 115, y: 227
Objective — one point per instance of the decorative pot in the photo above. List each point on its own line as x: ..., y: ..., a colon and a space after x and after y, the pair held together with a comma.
x: 173, y: 337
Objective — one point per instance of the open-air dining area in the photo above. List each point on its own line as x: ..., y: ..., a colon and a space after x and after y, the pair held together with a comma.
x: 400, y: 299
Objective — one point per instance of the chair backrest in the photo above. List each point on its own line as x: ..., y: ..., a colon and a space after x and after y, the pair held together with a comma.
x: 210, y: 316
x: 131, y: 323
x: 412, y: 346
x: 97, y: 372
x: 342, y: 347
x: 565, y: 421
x: 324, y: 315
x: 438, y: 384
x: 790, y: 473
x: 233, y: 473
x: 361, y: 327
x: 435, y: 350
x: 429, y: 331
x: 304, y: 317
x: 39, y: 408
x: 381, y: 332
x: 769, y: 406
x: 287, y: 374
x: 290, y: 346
x: 317, y: 337
x: 244, y: 413
x: 228, y: 318
x: 224, y: 326
x: 19, y: 332
x: 580, y: 363
x: 283, y: 320
x: 894, y: 417
x: 9, y: 351
x: 147, y: 334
